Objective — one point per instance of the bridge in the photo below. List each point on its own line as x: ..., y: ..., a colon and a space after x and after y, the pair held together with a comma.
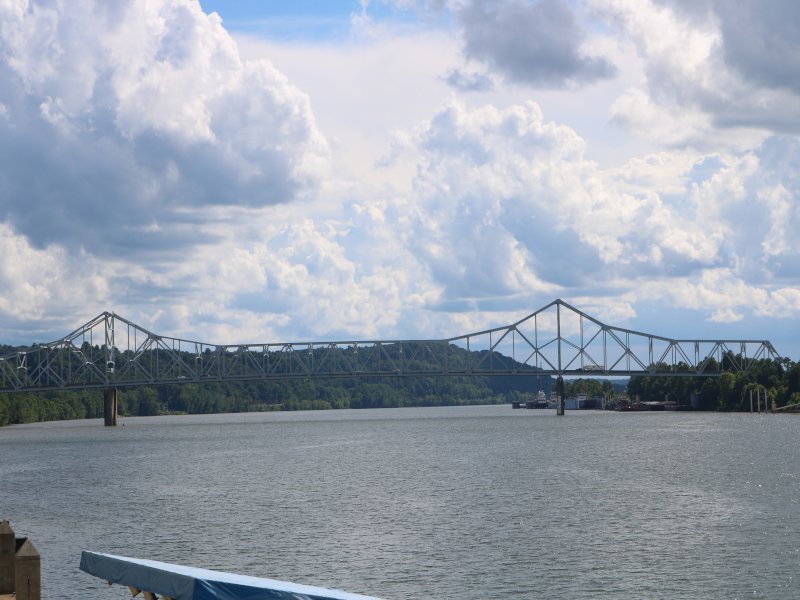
x: 111, y: 352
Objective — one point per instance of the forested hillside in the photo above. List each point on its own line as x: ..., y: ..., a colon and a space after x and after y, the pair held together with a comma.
x: 728, y: 392
x: 297, y: 394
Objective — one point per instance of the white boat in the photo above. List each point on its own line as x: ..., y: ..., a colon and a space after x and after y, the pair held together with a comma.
x: 541, y: 400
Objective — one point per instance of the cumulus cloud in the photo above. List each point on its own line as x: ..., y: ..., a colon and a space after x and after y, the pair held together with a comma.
x: 761, y: 41
x: 670, y: 125
x: 146, y: 167
x: 506, y: 206
x: 537, y: 43
x: 117, y: 119
x: 717, y: 65
x: 45, y: 286
x: 275, y: 275
x: 469, y: 82
x: 724, y: 296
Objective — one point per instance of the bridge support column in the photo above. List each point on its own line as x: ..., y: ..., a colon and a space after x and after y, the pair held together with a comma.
x: 560, y: 396
x: 110, y: 407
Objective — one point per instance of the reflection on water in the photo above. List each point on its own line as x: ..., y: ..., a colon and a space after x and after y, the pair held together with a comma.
x: 462, y: 503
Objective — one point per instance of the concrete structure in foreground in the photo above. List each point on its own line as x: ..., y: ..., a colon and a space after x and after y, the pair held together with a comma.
x: 167, y: 581
x: 20, y: 566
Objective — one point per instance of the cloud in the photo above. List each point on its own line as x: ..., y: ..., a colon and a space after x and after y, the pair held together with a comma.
x: 469, y: 82
x: 720, y: 65
x: 43, y: 286
x: 536, y: 43
x: 724, y: 296
x: 670, y: 125
x: 505, y: 205
x: 761, y: 41
x: 475, y: 169
x: 123, y: 123
x: 146, y: 166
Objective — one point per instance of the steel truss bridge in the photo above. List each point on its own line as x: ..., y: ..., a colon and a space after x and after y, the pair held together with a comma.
x: 112, y: 352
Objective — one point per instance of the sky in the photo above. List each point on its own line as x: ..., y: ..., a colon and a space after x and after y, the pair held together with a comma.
x: 283, y: 170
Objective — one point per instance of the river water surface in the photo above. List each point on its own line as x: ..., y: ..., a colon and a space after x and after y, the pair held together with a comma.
x: 439, y: 503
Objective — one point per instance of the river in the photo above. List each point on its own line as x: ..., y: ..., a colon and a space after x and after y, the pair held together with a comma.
x: 459, y: 503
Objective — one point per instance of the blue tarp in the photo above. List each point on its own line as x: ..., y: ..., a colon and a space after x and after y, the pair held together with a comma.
x: 190, y: 583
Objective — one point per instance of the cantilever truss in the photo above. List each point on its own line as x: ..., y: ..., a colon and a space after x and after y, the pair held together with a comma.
x: 110, y: 351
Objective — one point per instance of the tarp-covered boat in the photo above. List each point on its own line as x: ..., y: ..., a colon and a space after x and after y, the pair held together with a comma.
x: 180, y: 582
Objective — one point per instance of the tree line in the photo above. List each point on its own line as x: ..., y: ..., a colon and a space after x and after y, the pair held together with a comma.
x: 254, y: 396
x: 731, y: 391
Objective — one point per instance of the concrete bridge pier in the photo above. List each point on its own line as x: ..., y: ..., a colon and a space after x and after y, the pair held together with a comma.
x: 110, y: 407
x: 560, y: 396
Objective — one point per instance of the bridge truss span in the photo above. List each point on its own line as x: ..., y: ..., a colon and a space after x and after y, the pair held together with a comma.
x: 110, y: 351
